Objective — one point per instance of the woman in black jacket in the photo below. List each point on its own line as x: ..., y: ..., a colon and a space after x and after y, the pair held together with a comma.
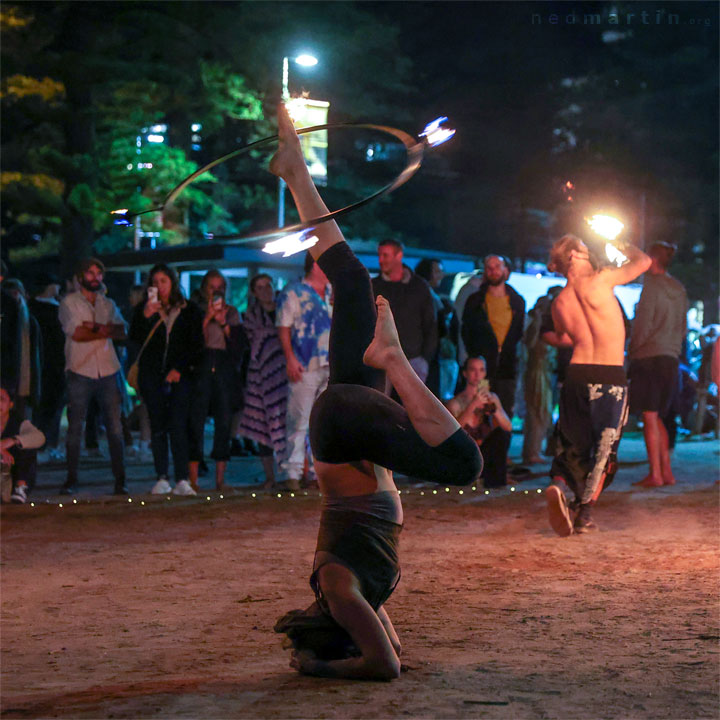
x: 166, y: 367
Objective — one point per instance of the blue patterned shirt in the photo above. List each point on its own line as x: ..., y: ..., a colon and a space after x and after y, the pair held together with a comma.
x: 308, y: 315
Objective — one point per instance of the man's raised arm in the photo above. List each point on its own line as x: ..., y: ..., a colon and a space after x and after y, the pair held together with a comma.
x: 638, y: 263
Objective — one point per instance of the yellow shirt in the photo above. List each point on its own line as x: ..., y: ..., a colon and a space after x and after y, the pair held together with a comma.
x: 500, y: 316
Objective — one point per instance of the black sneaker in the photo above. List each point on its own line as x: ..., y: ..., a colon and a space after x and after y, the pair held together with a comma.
x: 583, y: 522
x: 69, y: 488
x: 121, y: 488
x: 19, y: 496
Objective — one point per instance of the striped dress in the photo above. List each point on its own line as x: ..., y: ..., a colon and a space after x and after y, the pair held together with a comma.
x: 263, y: 418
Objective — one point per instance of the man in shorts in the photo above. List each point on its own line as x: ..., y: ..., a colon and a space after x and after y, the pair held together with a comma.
x: 593, y: 401
x: 655, y: 344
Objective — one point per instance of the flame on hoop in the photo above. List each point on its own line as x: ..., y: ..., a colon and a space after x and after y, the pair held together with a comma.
x: 606, y: 226
x: 291, y: 244
x: 434, y: 134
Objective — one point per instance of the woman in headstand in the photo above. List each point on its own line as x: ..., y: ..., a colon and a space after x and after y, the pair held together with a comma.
x: 358, y: 437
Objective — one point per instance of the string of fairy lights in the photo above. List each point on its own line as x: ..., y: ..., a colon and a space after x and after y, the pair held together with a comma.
x: 290, y: 495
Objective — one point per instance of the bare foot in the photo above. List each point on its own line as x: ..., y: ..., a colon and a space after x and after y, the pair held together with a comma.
x: 385, y: 345
x: 668, y: 478
x: 649, y: 482
x: 288, y: 156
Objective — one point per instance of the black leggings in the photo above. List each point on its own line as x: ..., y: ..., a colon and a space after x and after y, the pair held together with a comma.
x: 352, y: 420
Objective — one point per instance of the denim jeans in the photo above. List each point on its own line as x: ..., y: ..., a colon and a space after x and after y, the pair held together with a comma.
x: 81, y: 390
x: 168, y: 406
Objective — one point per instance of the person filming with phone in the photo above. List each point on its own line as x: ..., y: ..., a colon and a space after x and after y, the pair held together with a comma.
x: 217, y: 386
x: 168, y: 331
x: 482, y: 416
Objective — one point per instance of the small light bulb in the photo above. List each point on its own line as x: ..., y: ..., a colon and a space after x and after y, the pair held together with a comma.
x: 222, y: 497
x: 292, y: 494
x: 434, y: 492
x: 60, y: 505
x: 539, y: 490
x: 422, y: 492
x: 207, y: 497
x: 129, y: 499
x: 447, y: 489
x: 460, y: 492
x: 512, y: 489
x: 254, y: 495
x: 487, y: 492
x: 142, y: 502
x: 279, y: 495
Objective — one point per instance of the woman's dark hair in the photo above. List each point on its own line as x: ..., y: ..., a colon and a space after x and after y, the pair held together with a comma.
x: 256, y: 279
x: 473, y: 357
x: 425, y: 267
x: 209, y: 275
x: 176, y: 296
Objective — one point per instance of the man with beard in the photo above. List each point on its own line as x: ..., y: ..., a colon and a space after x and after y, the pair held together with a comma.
x: 492, y: 326
x: 91, y: 321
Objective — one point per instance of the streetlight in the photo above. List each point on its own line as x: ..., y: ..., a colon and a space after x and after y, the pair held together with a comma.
x: 306, y: 61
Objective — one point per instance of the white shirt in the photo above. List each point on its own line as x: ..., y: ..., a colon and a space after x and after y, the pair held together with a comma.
x: 97, y: 358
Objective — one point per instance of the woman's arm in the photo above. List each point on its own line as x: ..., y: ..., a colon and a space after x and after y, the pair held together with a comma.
x: 378, y: 660
x: 500, y: 416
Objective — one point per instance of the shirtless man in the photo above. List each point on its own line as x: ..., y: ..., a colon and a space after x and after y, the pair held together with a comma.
x: 593, y: 401
x: 358, y: 437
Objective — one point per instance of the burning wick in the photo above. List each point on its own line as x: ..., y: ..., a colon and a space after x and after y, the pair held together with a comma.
x: 606, y: 226
x: 291, y: 244
x: 434, y: 134
x: 123, y: 218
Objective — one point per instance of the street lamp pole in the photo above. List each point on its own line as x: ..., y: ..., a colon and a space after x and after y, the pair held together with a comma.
x: 281, y: 183
x: 308, y: 61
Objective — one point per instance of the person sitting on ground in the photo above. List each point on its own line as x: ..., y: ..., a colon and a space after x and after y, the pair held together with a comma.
x: 359, y: 436
x: 481, y: 415
x: 20, y: 443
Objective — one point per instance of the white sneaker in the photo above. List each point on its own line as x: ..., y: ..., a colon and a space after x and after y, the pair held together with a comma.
x: 19, y: 495
x: 161, y: 487
x: 183, y: 487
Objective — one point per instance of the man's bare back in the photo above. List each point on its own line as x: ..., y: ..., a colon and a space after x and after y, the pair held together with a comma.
x: 587, y: 314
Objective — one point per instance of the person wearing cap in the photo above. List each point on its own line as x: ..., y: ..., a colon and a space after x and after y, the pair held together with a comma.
x: 91, y: 321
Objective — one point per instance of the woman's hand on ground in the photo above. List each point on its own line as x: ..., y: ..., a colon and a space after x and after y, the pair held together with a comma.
x: 305, y: 662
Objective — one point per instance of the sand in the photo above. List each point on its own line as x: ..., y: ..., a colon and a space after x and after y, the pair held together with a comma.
x: 122, y: 610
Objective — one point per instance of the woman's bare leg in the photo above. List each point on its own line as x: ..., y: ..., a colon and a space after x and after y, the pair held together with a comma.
x: 428, y: 415
x: 289, y: 164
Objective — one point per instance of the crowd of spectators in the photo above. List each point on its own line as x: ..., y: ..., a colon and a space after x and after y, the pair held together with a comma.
x: 257, y: 374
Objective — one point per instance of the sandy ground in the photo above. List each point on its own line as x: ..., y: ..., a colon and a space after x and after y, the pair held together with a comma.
x: 123, y: 610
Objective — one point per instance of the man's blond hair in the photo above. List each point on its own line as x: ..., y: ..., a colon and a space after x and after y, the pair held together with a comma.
x: 559, y: 260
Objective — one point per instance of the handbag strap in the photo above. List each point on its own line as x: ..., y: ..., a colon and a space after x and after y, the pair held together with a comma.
x: 147, y: 339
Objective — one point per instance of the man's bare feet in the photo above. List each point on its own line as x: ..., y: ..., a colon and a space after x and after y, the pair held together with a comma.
x: 668, y: 479
x: 288, y: 156
x: 385, y: 345
x: 649, y: 482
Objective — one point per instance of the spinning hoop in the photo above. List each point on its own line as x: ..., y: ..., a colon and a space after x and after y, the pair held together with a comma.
x: 415, y: 151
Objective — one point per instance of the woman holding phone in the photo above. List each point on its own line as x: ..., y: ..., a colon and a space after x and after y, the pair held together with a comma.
x: 481, y: 415
x: 216, y: 381
x: 169, y: 331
